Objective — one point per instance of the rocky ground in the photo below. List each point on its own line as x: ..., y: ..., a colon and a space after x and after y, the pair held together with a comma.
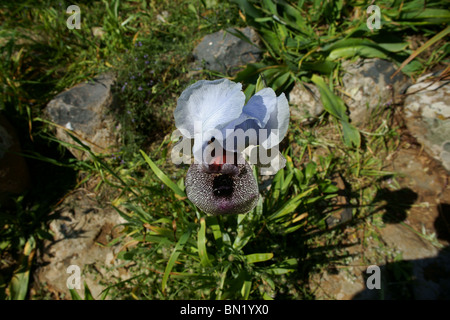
x: 410, y: 245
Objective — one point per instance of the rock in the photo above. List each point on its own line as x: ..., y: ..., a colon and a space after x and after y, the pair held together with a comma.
x: 341, y: 284
x: 419, y: 174
x: 98, y: 32
x: 407, y: 242
x: 305, y: 102
x: 427, y: 117
x: 81, y: 232
x: 368, y: 84
x: 14, y: 173
x: 225, y: 53
x: 163, y: 16
x: 83, y: 110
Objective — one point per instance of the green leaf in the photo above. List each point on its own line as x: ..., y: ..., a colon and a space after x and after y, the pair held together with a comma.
x: 249, y: 92
x: 350, y: 47
x: 290, y: 205
x: 248, y: 8
x: 18, y: 287
x: 298, y: 175
x: 174, y: 256
x: 423, y: 16
x: 422, y: 48
x: 87, y: 293
x: 352, y: 137
x: 287, y: 182
x: 263, y: 20
x: 250, y: 74
x: 362, y: 51
x: 329, y: 188
x: 282, y: 81
x: 236, y: 285
x: 260, y: 83
x: 213, y: 223
x: 201, y: 244
x: 172, y: 185
x: 245, y: 291
x: 258, y: 257
x: 266, y: 296
x: 310, y: 170
x: 331, y: 103
x: 394, y: 47
x: 325, y: 66
x: 104, y: 294
x: 272, y: 7
x: 74, y: 294
x: 284, y: 267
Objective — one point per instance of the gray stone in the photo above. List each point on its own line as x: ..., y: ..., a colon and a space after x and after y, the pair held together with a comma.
x: 226, y: 53
x: 407, y: 242
x: 14, y: 173
x: 81, y: 232
x: 368, y: 85
x: 98, y: 32
x: 305, y: 102
x: 427, y: 117
x: 83, y: 111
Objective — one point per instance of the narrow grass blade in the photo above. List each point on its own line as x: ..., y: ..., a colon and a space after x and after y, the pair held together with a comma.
x: 425, y: 46
x: 332, y: 104
x: 87, y: 293
x: 172, y: 185
x: 290, y: 205
x: 201, y: 244
x: 18, y: 286
x: 174, y: 256
x: 245, y: 291
x: 258, y: 257
x: 74, y: 294
x: 248, y: 8
x: 217, y: 233
x: 362, y: 51
x: 266, y: 296
x: 260, y: 83
x: 284, y: 267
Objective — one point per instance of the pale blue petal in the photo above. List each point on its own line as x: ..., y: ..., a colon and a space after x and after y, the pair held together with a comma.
x: 276, y: 126
x: 209, y: 105
x: 255, y: 115
x: 249, y: 135
x: 260, y: 106
x: 279, y: 120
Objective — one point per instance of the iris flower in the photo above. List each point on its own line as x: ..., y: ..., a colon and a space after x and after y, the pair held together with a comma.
x: 211, y: 113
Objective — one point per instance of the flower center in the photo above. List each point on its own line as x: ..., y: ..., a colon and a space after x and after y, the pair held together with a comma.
x: 223, y: 185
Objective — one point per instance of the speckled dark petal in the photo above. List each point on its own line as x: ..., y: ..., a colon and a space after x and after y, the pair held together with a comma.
x: 222, y: 193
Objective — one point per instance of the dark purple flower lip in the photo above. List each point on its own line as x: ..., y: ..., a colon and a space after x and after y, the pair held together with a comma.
x: 223, y: 185
x: 222, y: 188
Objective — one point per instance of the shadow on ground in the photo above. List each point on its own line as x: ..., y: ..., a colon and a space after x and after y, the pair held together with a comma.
x: 418, y: 279
x: 421, y: 279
